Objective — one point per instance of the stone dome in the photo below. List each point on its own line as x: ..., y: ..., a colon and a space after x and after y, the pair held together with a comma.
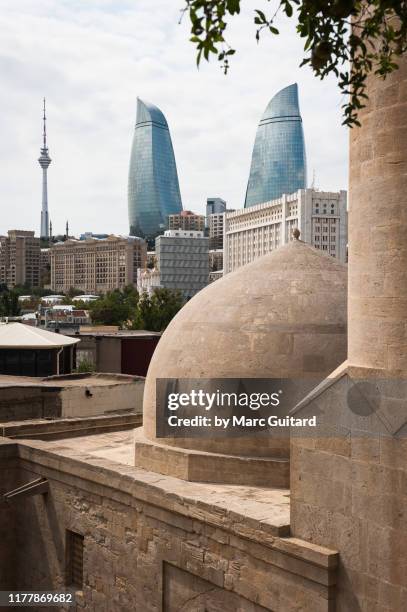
x: 281, y: 316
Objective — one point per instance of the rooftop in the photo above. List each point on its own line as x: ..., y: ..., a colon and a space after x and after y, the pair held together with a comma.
x: 69, y: 380
x: 122, y: 333
x: 113, y: 454
x: 20, y: 336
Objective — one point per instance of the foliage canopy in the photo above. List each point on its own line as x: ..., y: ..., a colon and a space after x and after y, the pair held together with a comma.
x: 377, y: 37
x: 127, y: 309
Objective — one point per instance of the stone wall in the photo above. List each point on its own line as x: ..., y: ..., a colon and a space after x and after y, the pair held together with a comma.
x: 378, y: 227
x: 72, y: 396
x: 26, y: 402
x: 9, y: 479
x: 114, y: 397
x: 150, y: 544
x: 349, y: 492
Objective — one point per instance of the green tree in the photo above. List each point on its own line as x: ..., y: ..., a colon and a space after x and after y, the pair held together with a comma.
x: 377, y: 37
x: 131, y: 295
x: 115, y: 308
x: 9, y: 305
x: 155, y: 313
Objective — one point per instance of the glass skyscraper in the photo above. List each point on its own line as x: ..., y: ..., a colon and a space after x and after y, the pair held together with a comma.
x: 153, y: 191
x: 278, y: 161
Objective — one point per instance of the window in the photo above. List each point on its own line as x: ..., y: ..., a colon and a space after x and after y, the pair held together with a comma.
x: 74, y: 559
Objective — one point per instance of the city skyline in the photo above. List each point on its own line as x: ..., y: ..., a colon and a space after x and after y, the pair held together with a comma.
x: 91, y: 89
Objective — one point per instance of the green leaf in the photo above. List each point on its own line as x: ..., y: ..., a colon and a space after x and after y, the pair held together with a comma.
x: 288, y: 9
x: 261, y: 16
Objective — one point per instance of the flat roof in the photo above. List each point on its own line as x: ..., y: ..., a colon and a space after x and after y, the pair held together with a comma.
x: 69, y: 380
x: 122, y: 333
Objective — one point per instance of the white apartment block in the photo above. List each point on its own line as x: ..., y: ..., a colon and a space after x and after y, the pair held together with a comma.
x: 97, y: 265
x: 320, y: 216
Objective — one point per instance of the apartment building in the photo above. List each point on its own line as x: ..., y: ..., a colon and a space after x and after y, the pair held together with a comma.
x: 97, y: 265
x: 320, y: 216
x: 20, y: 259
x: 186, y: 220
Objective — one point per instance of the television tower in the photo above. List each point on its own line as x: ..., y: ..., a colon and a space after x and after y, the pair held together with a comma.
x: 44, y: 161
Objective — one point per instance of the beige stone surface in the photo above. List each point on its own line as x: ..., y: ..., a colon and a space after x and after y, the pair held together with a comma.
x: 266, y: 504
x: 378, y: 228
x: 349, y: 489
x: 284, y: 315
x: 201, y: 466
x: 69, y: 396
x: 154, y: 543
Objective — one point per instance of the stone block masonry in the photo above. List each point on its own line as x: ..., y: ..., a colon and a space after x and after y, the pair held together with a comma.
x: 157, y: 543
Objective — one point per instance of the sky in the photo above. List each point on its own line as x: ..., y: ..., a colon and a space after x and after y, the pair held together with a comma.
x: 92, y: 58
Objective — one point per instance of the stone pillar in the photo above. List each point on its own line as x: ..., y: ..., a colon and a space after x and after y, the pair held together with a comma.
x: 348, y: 476
x: 378, y: 228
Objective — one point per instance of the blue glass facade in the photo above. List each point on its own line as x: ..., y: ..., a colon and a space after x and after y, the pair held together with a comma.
x: 278, y: 161
x: 153, y: 190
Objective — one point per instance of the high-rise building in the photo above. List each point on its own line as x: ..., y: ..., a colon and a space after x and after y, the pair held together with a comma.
x: 20, y: 259
x: 187, y: 220
x: 214, y: 206
x: 216, y: 222
x: 44, y: 161
x: 183, y: 261
x: 97, y: 266
x: 153, y: 190
x: 45, y: 267
x: 252, y: 232
x: 278, y: 160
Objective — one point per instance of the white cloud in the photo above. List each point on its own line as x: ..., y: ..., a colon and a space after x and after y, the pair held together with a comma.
x: 92, y: 58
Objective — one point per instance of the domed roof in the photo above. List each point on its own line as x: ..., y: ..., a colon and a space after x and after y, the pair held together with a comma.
x: 281, y: 316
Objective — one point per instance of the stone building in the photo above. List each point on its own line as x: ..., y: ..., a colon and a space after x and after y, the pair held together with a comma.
x: 316, y: 523
x: 20, y: 259
x: 186, y: 220
x: 255, y: 231
x: 282, y: 316
x: 97, y: 266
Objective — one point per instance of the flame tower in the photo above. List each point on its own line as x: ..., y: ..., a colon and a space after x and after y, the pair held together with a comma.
x: 278, y: 161
x: 44, y: 161
x: 153, y: 192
